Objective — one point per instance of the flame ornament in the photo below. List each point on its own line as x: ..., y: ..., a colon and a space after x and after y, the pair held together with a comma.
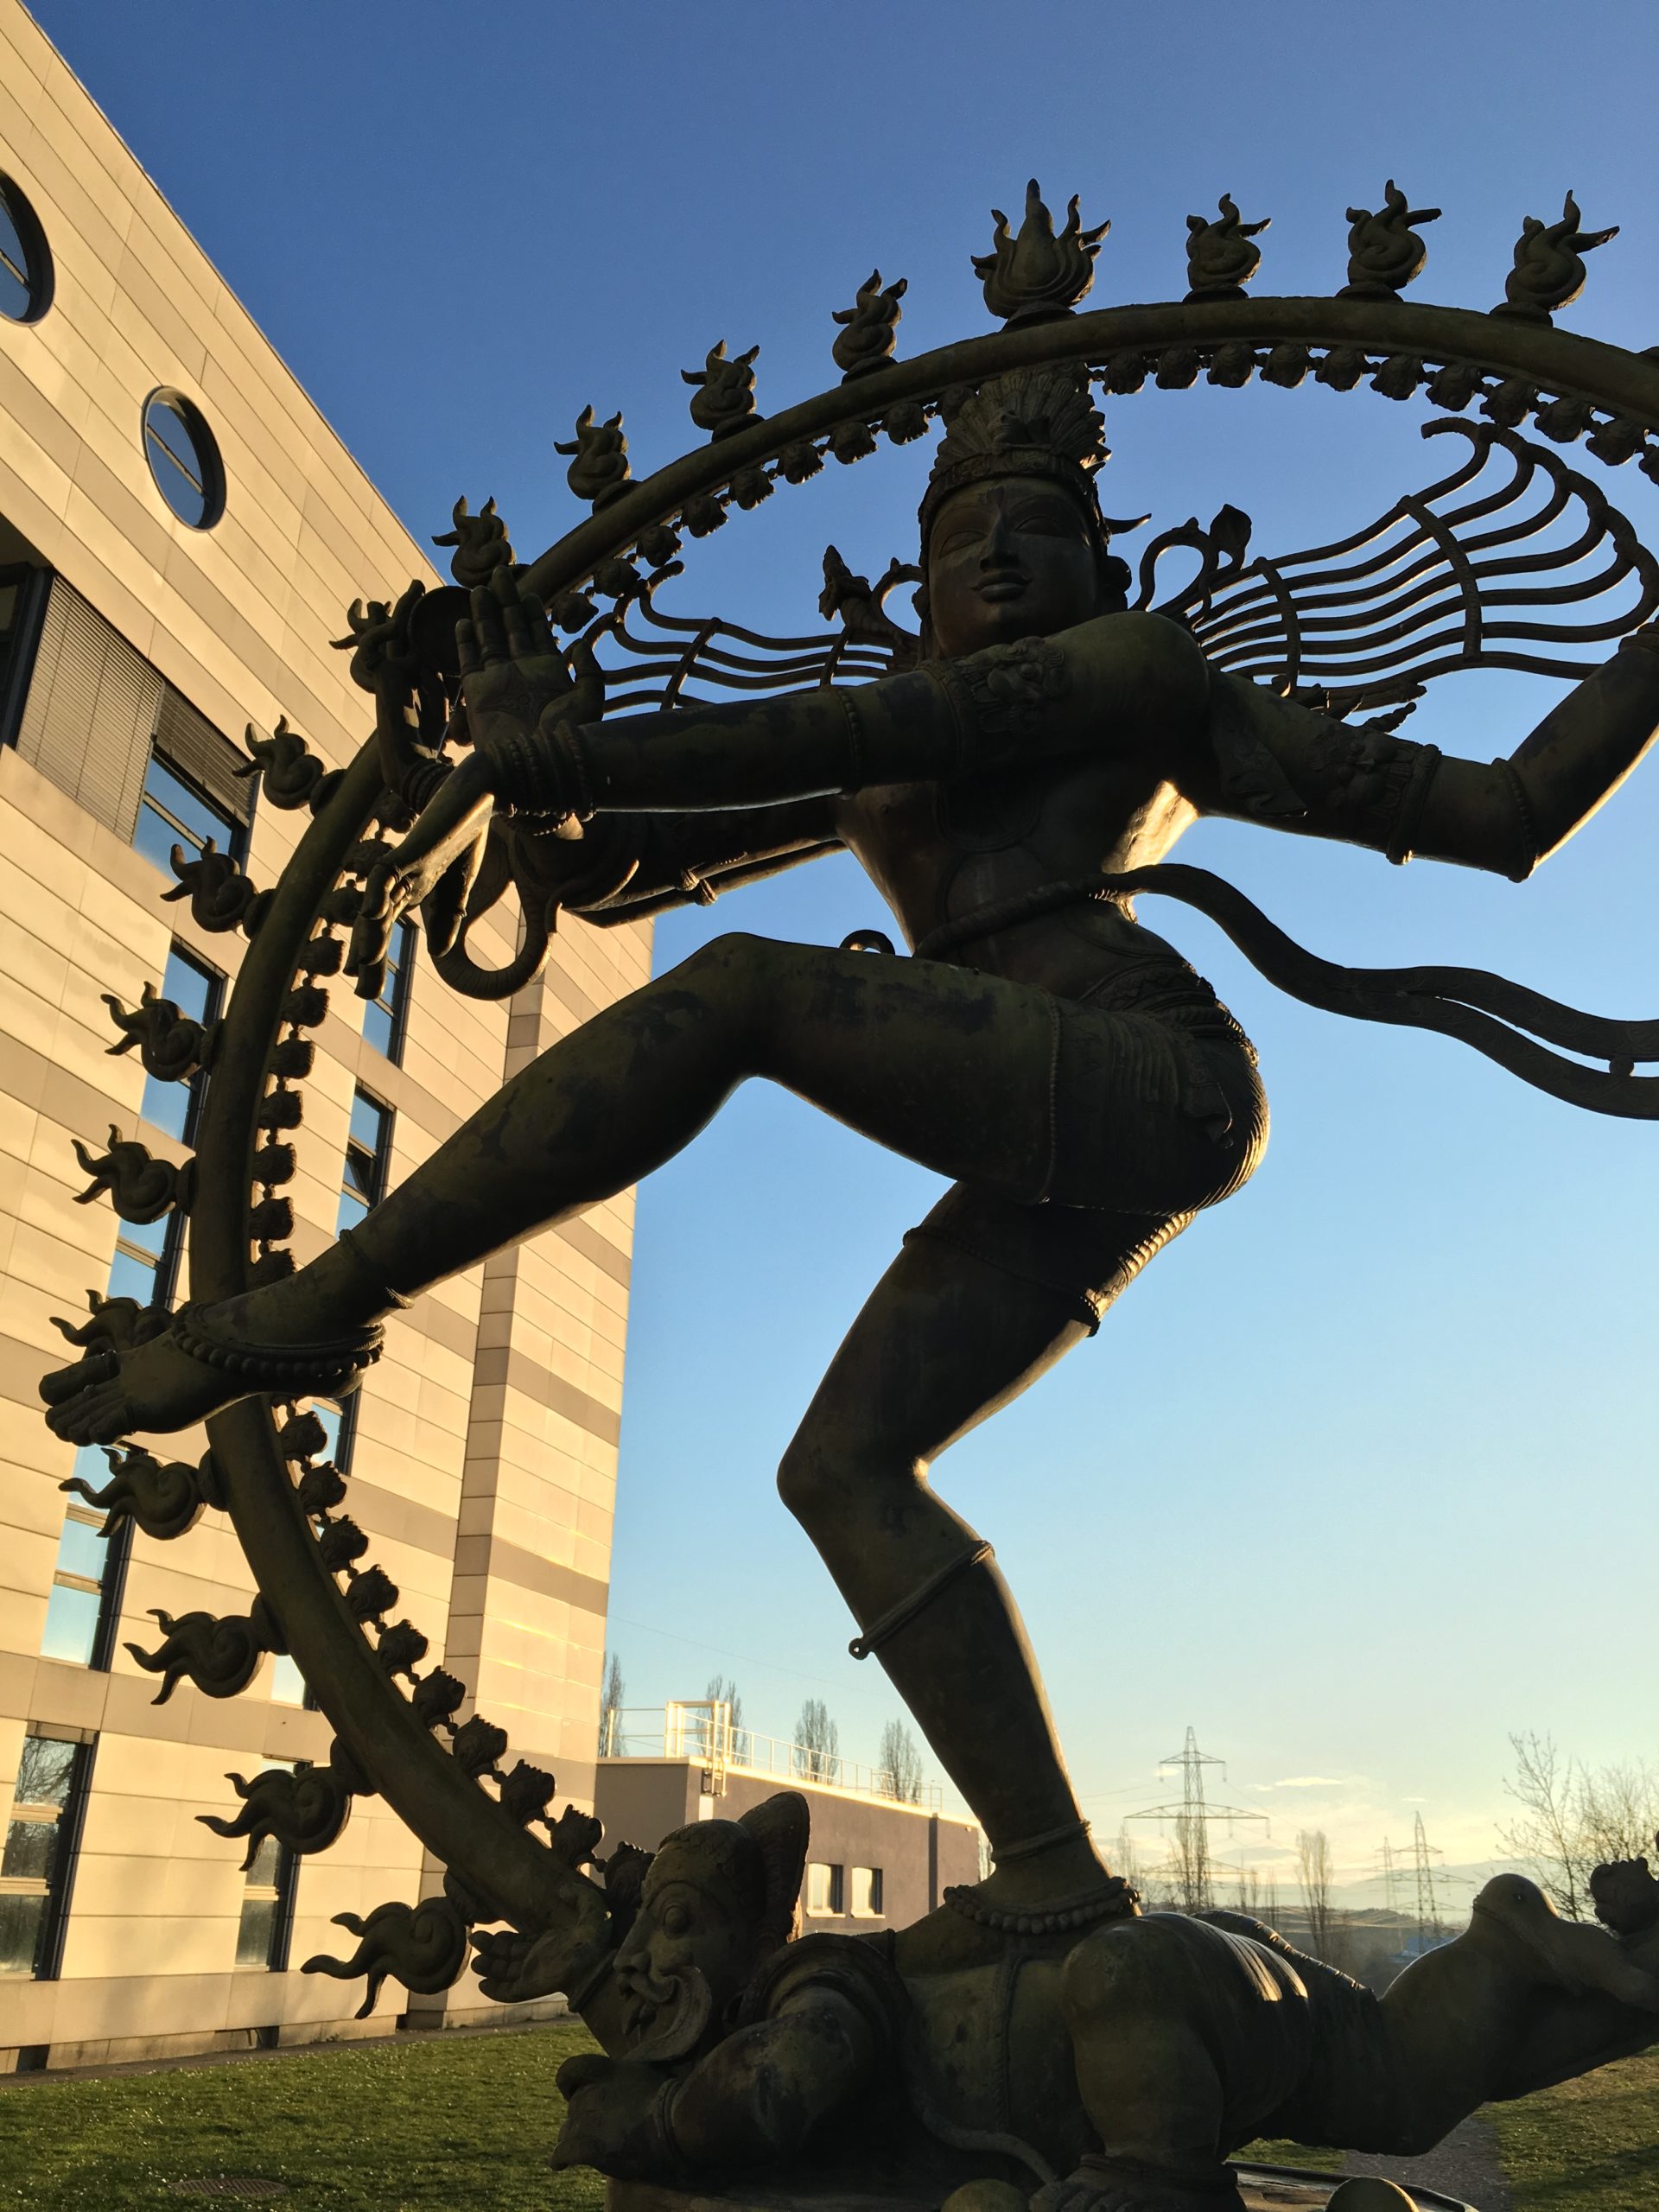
x: 1549, y: 271
x: 1032, y: 275
x: 1221, y: 258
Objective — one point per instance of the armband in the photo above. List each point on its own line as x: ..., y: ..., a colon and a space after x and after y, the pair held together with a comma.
x: 1403, y: 836
x: 1526, y: 829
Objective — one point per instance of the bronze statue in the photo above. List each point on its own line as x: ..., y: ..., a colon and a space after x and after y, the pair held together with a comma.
x: 1112, y: 2068
x: 1010, y: 780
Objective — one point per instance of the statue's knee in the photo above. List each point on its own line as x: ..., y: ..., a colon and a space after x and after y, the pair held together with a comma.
x: 805, y: 1480
x: 1119, y: 1968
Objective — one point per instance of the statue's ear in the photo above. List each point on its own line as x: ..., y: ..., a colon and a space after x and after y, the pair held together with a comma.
x: 780, y: 1825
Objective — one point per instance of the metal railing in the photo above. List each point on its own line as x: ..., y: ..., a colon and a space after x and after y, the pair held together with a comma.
x: 700, y: 1731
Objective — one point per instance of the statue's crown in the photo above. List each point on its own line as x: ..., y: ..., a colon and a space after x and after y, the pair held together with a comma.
x: 1030, y: 422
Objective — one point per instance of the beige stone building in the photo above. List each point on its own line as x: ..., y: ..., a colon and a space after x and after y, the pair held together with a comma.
x: 179, y: 532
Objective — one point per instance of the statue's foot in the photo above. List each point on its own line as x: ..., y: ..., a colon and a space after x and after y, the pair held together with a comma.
x: 1105, y: 2183
x: 1571, y: 1954
x: 206, y: 1358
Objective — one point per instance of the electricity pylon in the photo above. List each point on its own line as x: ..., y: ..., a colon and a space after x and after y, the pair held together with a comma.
x: 1191, y: 1819
x: 1428, y: 1916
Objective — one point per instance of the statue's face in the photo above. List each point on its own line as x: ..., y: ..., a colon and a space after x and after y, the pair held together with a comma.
x: 1014, y: 557
x: 690, y: 1950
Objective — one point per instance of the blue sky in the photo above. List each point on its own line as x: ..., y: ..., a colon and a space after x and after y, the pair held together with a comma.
x: 1358, y: 1478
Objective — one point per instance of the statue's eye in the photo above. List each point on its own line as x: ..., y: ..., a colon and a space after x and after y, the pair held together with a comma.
x: 676, y: 1920
x: 956, y: 541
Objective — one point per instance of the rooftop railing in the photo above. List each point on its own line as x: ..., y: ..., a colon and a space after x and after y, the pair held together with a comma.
x: 700, y: 1730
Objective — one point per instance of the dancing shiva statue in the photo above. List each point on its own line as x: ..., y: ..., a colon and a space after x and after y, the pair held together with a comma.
x: 1011, y: 779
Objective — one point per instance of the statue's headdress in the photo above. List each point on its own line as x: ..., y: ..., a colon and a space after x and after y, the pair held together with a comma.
x: 1030, y: 422
x: 759, y: 1859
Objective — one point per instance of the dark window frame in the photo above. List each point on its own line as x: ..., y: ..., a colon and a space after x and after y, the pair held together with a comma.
x: 374, y: 1185
x: 65, y: 1852
x: 395, y: 1010
x: 237, y: 832
x: 34, y: 589
x: 210, y: 485
x: 217, y: 982
x: 279, y: 1893
x: 39, y: 275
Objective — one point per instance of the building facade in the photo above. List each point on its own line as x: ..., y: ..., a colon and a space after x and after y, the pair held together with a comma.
x: 877, y: 1857
x: 180, y: 535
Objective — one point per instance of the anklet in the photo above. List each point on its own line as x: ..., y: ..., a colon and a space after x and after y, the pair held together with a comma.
x: 1027, y: 1847
x: 325, y: 1370
x: 1114, y: 1899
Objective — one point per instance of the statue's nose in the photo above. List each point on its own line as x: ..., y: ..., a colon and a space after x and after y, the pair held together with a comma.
x: 999, y: 544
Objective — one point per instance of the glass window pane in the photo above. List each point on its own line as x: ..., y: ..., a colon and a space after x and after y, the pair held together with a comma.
x: 265, y: 1873
x: 352, y: 1210
x: 379, y: 1028
x: 81, y: 1550
x: 147, y: 1239
x: 254, y: 1934
x: 21, y: 1922
x: 167, y: 1105
x: 197, y: 817
x: 70, y: 1626
x: 287, y: 1682
x: 330, y: 1416
x: 31, y: 1846
x: 368, y: 1124
x: 45, y: 1772
x: 178, y: 469
x: 133, y: 1278
x: 189, y: 985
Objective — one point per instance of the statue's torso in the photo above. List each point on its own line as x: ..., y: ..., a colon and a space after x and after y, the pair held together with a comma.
x: 940, y: 852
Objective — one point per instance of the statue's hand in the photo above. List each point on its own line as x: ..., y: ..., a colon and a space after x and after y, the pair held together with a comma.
x: 513, y: 1968
x: 516, y: 690
x: 609, y: 2117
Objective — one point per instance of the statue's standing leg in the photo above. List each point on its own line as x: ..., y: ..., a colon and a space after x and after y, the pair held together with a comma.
x: 985, y: 1297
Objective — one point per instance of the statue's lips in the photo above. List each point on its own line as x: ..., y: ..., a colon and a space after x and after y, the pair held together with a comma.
x: 997, y: 590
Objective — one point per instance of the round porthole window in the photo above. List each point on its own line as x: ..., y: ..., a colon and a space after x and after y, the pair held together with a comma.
x: 183, y: 458
x: 25, y: 258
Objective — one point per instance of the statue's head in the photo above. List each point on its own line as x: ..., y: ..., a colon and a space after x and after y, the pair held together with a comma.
x: 719, y: 1899
x: 1013, y: 542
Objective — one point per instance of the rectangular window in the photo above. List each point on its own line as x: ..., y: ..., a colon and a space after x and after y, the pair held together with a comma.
x: 385, y: 1018
x: 37, y: 1864
x: 84, y: 1605
x: 368, y: 1149
x: 22, y: 602
x: 173, y: 811
x: 866, y: 1893
x: 146, y: 1262
x: 823, y: 1891
x: 197, y: 991
x: 267, y: 1920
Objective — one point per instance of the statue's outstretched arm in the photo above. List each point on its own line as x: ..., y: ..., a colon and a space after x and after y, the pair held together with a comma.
x: 760, y: 2093
x: 1273, y: 761
x: 638, y: 864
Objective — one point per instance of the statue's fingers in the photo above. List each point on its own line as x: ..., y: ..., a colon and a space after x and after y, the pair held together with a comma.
x: 467, y: 649
x: 536, y: 618
x: 487, y: 621
x: 587, y: 701
x: 520, y: 642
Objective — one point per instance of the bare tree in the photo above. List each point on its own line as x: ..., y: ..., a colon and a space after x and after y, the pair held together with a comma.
x: 610, y: 1708
x: 1190, y: 1872
x: 723, y: 1690
x: 1314, y: 1871
x: 899, y: 1764
x: 817, y: 1741
x: 1572, y: 1818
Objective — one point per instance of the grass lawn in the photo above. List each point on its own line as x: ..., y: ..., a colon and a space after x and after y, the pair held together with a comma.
x: 449, y: 2124
x: 1592, y: 2146
x: 457, y: 2123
